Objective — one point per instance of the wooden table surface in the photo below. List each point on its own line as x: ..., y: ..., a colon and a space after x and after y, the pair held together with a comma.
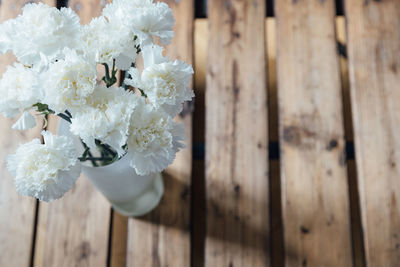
x: 292, y: 156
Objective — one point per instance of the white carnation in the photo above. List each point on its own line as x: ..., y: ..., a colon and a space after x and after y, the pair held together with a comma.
x: 106, y: 117
x: 154, y: 139
x: 45, y: 171
x: 104, y: 41
x: 68, y: 82
x: 6, y: 35
x: 19, y: 90
x: 165, y: 83
x: 40, y: 29
x: 144, y: 17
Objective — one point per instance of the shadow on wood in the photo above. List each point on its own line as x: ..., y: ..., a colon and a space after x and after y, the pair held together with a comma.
x: 177, y: 192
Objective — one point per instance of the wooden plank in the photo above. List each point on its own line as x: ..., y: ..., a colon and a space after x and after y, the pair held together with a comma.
x: 356, y: 229
x: 201, y: 48
x: 373, y: 30
x: 162, y: 238
x: 313, y: 165
x: 74, y: 231
x: 236, y: 136
x: 17, y: 213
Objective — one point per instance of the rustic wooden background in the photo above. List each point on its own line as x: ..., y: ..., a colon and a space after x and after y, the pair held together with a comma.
x: 270, y: 176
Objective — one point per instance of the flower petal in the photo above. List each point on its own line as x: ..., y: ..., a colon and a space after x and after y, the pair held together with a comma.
x: 25, y: 122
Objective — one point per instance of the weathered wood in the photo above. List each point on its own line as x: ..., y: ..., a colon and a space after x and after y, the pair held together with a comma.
x: 373, y: 30
x: 236, y: 136
x: 74, y: 231
x: 17, y: 213
x: 162, y: 238
x: 313, y: 165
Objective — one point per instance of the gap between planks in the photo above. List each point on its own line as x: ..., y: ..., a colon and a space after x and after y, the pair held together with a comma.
x: 199, y: 86
x: 201, y: 36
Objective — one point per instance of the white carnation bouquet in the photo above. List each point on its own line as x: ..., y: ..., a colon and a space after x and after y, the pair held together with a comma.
x: 56, y: 73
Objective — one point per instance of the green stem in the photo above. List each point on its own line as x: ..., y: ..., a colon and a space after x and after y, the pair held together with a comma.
x: 142, y: 92
x: 96, y: 158
x: 88, y: 153
x: 94, y: 163
x: 68, y: 113
x: 108, y: 149
x: 65, y: 117
x: 107, y: 79
x: 85, y: 154
x: 114, y: 71
x: 107, y: 71
x: 105, y: 148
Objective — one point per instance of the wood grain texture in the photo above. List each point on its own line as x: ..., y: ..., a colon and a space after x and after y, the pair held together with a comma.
x: 236, y: 136
x: 17, y: 213
x: 74, y: 231
x: 373, y: 30
x: 162, y: 238
x: 313, y: 165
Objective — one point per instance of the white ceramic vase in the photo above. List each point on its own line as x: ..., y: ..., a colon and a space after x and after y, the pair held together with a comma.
x: 129, y: 193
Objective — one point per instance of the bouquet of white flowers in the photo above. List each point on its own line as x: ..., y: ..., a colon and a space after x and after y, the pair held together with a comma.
x: 56, y: 73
